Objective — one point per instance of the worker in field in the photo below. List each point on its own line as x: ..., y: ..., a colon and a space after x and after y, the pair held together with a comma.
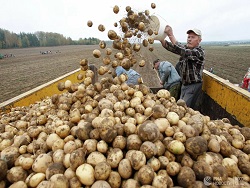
x: 191, y: 63
x: 169, y: 77
x: 246, y: 81
x: 125, y: 68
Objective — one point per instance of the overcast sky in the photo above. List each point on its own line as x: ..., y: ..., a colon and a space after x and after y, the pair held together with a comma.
x: 219, y: 20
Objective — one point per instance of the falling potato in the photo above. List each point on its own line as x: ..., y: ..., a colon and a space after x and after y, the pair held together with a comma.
x: 145, y: 42
x: 96, y: 53
x: 61, y: 86
x: 153, y: 5
x: 116, y: 9
x: 102, y: 44
x: 151, y: 48
x: 142, y: 63
x: 141, y: 26
x: 150, y: 40
x: 112, y: 34
x: 108, y: 51
x: 90, y: 23
x: 128, y: 8
x: 147, y: 12
x: 101, y: 27
x: 136, y: 47
x: 84, y: 62
x: 80, y: 76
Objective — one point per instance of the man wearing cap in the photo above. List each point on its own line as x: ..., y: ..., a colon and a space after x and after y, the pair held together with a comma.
x: 191, y: 63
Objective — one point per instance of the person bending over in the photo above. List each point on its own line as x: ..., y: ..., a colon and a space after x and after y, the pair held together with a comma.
x: 125, y: 68
x: 169, y: 77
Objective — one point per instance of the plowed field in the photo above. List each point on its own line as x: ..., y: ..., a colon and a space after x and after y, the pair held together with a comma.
x: 29, y: 68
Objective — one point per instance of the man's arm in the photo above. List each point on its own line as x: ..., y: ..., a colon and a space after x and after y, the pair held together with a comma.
x: 169, y: 31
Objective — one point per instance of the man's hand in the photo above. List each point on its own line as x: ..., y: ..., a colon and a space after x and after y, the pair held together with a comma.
x: 168, y: 30
x: 161, y: 82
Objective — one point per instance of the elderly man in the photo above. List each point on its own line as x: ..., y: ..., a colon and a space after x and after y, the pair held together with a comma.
x: 191, y: 63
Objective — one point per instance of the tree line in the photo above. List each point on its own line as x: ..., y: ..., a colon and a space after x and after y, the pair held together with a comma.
x: 39, y: 39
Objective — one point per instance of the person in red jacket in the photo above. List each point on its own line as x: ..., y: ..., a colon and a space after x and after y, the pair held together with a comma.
x: 246, y: 81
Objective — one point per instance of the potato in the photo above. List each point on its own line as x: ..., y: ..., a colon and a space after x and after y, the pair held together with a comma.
x: 102, y: 171
x: 148, y: 131
x: 59, y: 180
x: 137, y: 159
x: 101, y: 27
x: 114, y: 179
x: 95, y: 157
x: 89, y: 23
x: 146, y: 175
x: 186, y: 177
x: 214, y: 145
x: 77, y: 157
x: 231, y: 167
x: 130, y: 183
x: 10, y: 154
x: 125, y: 168
x: 41, y: 163
x: 162, y: 124
x: 85, y: 174
x: 114, y: 156
x: 18, y: 184
x: 196, y: 146
x: 133, y: 142
x: 159, y: 111
x: 58, y: 156
x: 173, y: 168
x: 54, y: 168
x: 202, y: 169
x: 154, y: 163
x: 119, y: 142
x: 3, y: 169
x: 176, y: 147
x: 16, y: 173
x: 51, y: 139
x: 173, y: 118
x: 149, y: 149
x: 100, y: 183
x: 36, y: 179
x: 115, y: 9
x: 160, y: 181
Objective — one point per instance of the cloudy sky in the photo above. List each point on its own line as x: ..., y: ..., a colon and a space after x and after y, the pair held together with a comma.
x: 219, y: 20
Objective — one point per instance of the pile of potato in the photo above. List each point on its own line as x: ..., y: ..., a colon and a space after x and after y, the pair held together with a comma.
x: 115, y: 135
x: 109, y: 134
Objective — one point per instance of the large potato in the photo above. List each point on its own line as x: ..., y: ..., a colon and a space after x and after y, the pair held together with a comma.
x: 41, y: 163
x: 3, y: 169
x: 186, y: 177
x: 195, y: 146
x: 16, y: 173
x: 85, y: 174
x: 125, y: 168
x: 115, y: 155
x: 102, y: 171
x: 114, y: 179
x: 146, y: 175
x: 95, y: 157
x: 148, y: 131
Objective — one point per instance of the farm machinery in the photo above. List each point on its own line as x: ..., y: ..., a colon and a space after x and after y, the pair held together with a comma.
x: 221, y: 99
